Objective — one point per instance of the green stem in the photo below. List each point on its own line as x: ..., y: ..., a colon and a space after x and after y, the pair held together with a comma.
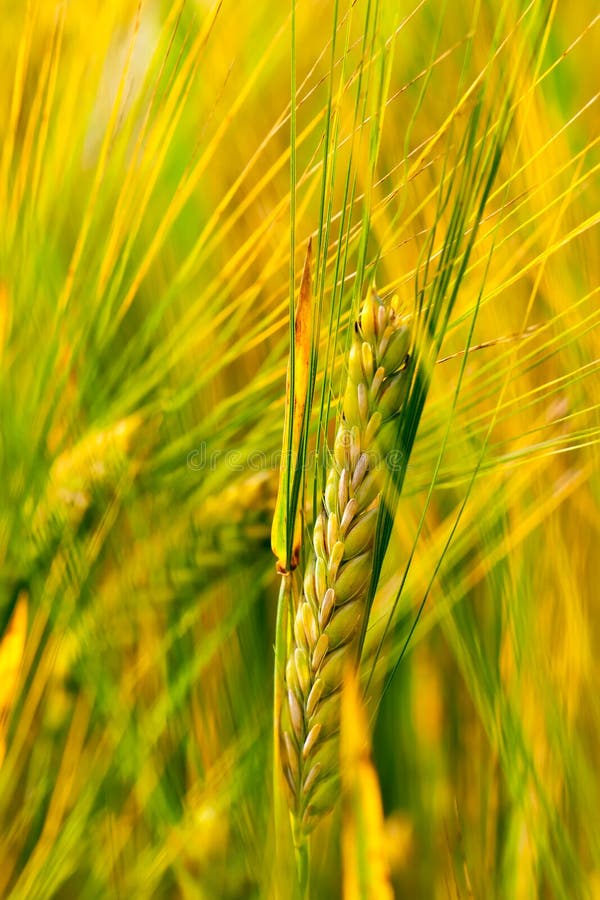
x: 302, y: 850
x: 279, y: 802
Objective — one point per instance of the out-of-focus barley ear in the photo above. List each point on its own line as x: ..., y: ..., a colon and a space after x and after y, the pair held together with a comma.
x: 98, y: 460
x: 237, y: 519
x: 332, y: 608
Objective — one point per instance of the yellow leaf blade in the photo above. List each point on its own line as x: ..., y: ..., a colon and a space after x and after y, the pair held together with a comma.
x: 366, y: 873
x: 12, y: 646
x: 285, y: 517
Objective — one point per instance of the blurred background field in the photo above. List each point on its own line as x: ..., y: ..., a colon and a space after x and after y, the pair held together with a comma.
x: 144, y: 285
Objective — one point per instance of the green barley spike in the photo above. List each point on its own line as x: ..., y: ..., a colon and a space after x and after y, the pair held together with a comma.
x: 331, y: 609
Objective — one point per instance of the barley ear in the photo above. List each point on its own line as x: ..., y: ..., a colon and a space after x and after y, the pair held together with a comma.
x: 331, y: 610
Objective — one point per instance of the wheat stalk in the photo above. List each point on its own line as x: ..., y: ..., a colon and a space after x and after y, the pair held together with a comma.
x: 331, y: 610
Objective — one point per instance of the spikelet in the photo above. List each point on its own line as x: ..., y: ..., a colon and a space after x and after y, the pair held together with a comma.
x: 330, y: 614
